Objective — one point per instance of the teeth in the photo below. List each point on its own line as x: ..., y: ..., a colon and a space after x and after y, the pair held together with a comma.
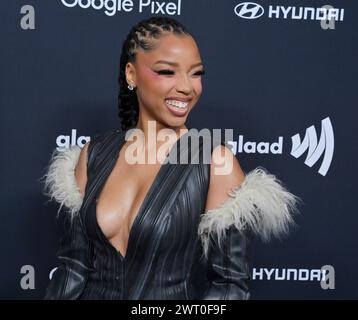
x: 178, y: 104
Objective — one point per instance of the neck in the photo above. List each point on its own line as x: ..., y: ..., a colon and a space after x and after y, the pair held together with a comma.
x: 151, y: 127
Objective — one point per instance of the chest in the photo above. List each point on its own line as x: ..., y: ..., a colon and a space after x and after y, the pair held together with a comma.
x: 133, y: 204
x: 122, y: 195
x: 169, y: 212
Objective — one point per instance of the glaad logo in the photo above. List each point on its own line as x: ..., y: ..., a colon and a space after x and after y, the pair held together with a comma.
x: 325, y: 145
x: 64, y: 142
x: 252, y: 10
x: 52, y: 272
x: 249, y: 10
x: 315, y: 150
x: 256, y: 147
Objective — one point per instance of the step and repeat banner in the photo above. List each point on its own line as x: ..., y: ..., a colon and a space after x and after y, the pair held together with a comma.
x: 281, y: 74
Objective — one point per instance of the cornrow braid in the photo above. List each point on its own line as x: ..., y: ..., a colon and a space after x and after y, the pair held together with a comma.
x: 143, y: 36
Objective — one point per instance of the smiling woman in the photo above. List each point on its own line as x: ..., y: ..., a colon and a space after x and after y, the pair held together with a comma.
x: 166, y: 77
x: 159, y: 230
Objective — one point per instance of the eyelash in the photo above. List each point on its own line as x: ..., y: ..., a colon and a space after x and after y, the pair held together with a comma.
x: 167, y: 72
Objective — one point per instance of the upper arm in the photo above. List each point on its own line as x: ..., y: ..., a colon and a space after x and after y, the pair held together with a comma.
x: 222, y: 181
x: 81, y: 170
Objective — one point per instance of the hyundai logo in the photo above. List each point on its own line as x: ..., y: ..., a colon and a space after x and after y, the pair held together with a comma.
x: 249, y: 10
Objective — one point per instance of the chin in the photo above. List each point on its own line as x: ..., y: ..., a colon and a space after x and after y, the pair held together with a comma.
x: 176, y: 123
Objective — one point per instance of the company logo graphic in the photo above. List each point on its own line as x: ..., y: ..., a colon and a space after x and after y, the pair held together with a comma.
x: 252, y: 10
x: 325, y: 275
x: 256, y: 147
x: 63, y: 142
x: 52, y: 272
x: 324, y: 146
x: 249, y: 10
x: 111, y: 7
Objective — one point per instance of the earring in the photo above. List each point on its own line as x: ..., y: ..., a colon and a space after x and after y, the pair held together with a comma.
x: 130, y: 87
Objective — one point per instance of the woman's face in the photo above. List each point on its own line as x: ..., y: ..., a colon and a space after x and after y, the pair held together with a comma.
x: 167, y: 80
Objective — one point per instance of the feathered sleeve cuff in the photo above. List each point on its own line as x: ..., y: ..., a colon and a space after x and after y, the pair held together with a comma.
x: 60, y: 182
x: 261, y: 203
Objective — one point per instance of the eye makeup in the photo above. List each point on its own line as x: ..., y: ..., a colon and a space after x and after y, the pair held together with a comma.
x: 172, y: 72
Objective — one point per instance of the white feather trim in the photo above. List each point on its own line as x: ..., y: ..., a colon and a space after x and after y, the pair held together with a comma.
x: 261, y: 203
x: 60, y: 182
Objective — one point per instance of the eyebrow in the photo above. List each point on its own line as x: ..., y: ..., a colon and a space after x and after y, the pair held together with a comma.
x: 174, y: 64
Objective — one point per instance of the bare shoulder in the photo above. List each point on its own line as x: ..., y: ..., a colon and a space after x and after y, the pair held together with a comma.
x: 225, y: 173
x: 81, y: 169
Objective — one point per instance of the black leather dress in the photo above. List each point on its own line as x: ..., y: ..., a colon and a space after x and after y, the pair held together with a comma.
x: 164, y: 258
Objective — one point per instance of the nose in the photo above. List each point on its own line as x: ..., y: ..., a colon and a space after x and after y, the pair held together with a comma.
x: 184, y: 85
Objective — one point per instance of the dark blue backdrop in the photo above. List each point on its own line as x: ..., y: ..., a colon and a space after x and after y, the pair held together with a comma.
x: 269, y: 78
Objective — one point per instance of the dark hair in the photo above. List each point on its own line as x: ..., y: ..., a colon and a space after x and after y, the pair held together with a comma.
x: 140, y: 36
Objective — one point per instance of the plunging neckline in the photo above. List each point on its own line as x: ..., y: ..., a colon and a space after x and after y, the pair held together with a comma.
x: 145, y: 199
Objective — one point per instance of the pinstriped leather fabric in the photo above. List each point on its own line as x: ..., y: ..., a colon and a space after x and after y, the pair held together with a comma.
x: 163, y: 243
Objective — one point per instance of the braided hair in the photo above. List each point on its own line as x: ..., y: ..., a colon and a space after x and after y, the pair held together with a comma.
x: 140, y: 36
